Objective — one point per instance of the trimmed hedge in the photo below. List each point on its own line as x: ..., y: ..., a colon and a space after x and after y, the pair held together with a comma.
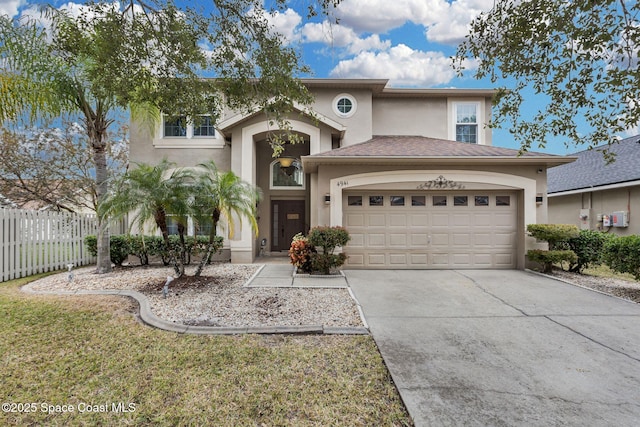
x: 589, y: 247
x: 622, y: 254
x: 548, y: 258
x: 145, y: 247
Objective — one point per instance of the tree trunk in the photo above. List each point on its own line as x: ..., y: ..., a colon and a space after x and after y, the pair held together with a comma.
x: 215, y: 217
x: 102, y: 186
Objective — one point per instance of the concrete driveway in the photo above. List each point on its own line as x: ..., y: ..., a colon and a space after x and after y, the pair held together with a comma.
x: 504, y: 348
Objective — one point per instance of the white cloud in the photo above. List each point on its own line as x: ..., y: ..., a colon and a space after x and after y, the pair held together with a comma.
x: 379, y: 16
x: 402, y: 65
x: 342, y: 37
x: 10, y: 7
x: 452, y: 27
x: 286, y: 24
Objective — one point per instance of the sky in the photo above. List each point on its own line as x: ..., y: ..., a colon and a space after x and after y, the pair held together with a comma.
x: 408, y: 42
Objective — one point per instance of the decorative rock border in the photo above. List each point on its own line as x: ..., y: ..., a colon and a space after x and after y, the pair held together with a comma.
x: 147, y: 316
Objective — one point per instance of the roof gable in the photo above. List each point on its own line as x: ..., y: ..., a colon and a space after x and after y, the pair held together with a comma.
x: 590, y: 168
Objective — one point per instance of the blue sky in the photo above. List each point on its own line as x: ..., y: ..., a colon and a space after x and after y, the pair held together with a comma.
x: 409, y: 42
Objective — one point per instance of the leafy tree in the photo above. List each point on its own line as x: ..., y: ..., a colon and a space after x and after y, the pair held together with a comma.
x: 581, y: 56
x: 151, y: 193
x: 54, y: 166
x: 148, y: 56
x: 222, y: 195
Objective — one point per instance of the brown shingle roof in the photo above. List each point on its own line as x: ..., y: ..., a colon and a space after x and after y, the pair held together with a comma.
x: 420, y: 146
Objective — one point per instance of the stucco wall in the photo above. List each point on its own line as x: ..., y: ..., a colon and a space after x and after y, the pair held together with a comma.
x: 566, y: 209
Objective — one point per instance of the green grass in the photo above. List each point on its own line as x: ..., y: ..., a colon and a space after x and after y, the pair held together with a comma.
x: 91, y: 351
x: 605, y: 271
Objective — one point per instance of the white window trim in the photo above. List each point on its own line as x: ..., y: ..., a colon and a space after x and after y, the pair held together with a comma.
x: 188, y: 141
x: 334, y: 105
x: 480, y: 113
x: 287, y: 188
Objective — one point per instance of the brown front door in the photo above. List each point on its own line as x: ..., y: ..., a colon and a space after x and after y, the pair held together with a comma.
x: 287, y: 218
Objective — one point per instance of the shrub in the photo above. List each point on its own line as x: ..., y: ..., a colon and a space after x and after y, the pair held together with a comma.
x: 622, y: 254
x: 548, y: 258
x: 327, y: 238
x: 145, y: 247
x: 119, y: 247
x: 558, y: 235
x: 588, y: 246
x: 300, y: 253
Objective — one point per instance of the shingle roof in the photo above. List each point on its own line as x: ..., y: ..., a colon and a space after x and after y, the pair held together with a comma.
x: 591, y: 170
x: 420, y: 146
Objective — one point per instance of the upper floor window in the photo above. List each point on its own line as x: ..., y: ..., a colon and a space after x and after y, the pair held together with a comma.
x: 176, y: 127
x: 204, y: 127
x: 182, y: 127
x: 466, y: 119
x: 344, y: 105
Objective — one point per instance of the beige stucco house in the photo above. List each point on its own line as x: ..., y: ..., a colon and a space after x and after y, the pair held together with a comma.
x: 411, y: 173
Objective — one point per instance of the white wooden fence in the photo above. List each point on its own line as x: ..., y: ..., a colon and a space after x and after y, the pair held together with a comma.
x: 34, y: 242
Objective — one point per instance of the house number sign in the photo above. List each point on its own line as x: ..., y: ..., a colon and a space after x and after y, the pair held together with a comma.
x: 440, y: 183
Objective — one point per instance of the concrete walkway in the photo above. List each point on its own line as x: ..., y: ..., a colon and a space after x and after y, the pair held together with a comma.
x: 504, y: 348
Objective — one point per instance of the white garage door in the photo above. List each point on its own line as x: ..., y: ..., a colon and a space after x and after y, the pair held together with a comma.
x: 462, y: 229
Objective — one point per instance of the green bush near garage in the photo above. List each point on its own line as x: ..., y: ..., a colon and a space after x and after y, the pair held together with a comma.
x: 622, y: 254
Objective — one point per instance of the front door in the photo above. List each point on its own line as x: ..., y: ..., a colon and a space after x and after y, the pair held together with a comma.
x: 287, y: 218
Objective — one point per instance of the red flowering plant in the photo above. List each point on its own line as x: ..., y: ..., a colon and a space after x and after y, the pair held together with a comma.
x: 300, y: 253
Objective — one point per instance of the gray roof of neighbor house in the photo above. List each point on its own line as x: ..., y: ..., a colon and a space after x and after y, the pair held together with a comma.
x: 590, y: 169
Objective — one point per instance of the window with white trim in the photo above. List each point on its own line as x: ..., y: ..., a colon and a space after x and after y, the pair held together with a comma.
x: 175, y: 127
x: 182, y: 132
x: 344, y: 105
x: 204, y: 127
x: 466, y: 120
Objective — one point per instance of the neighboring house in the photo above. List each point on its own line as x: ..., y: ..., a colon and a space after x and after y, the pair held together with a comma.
x: 595, y: 195
x: 411, y: 173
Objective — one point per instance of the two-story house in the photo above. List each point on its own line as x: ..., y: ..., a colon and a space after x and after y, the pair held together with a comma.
x: 411, y: 174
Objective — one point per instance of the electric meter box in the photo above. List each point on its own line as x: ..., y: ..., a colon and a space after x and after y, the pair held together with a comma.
x: 620, y: 219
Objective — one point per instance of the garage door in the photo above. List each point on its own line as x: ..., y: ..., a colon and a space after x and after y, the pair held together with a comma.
x: 472, y: 229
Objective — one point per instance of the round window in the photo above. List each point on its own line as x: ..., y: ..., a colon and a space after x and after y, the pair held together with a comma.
x: 344, y: 105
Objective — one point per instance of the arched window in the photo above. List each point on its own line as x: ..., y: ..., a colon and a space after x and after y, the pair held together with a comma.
x: 286, y: 173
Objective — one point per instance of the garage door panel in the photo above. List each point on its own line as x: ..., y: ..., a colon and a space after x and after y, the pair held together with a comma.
x: 354, y: 220
x: 418, y: 259
x: 482, y: 260
x: 460, y: 220
x: 440, y: 220
x: 398, y: 259
x: 439, y: 239
x: 483, y: 220
x: 376, y: 259
x: 482, y: 239
x: 419, y: 239
x: 377, y: 220
x: 440, y: 260
x: 504, y: 239
x: 357, y: 240
x: 375, y: 239
x: 428, y: 236
x: 461, y: 259
x: 418, y: 220
x: 398, y: 220
x: 463, y: 239
x: 398, y: 240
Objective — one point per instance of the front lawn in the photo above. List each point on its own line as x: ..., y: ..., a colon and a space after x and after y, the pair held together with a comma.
x: 92, y: 355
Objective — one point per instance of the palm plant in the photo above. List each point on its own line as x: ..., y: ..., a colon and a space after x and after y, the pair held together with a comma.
x: 222, y: 195
x: 151, y: 193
